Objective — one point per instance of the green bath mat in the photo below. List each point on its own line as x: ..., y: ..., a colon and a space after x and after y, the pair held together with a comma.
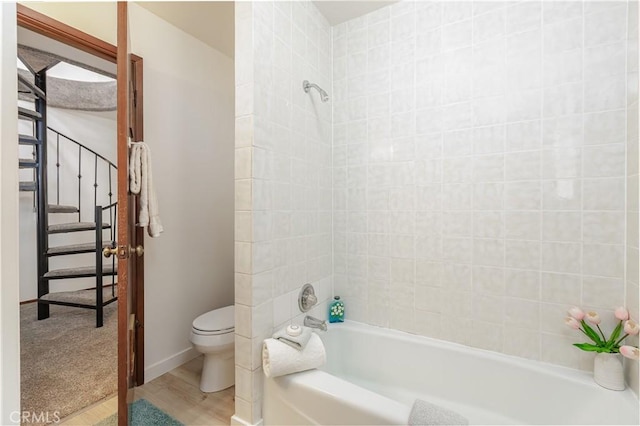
x: 143, y: 413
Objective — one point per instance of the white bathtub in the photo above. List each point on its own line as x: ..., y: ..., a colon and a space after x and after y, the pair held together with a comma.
x: 373, y: 376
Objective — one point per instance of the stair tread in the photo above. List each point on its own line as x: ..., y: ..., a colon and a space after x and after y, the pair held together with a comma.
x: 85, y: 297
x: 59, y: 208
x: 83, y: 271
x: 29, y: 113
x: 27, y: 163
x: 31, y: 87
x: 75, y: 227
x: 76, y: 248
x: 27, y: 140
x: 27, y: 186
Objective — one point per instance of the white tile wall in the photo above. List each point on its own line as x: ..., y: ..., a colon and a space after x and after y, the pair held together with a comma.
x: 469, y: 174
x: 283, y: 178
x: 479, y: 162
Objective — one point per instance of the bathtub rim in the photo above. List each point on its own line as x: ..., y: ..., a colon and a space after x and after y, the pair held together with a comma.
x: 582, y: 377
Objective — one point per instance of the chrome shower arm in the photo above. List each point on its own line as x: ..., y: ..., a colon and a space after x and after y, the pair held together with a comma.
x: 306, y: 86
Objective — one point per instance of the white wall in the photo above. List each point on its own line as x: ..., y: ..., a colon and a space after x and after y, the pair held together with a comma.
x: 97, y: 131
x: 95, y: 18
x: 633, y: 224
x: 9, y: 275
x: 189, y: 104
x: 283, y: 179
x: 479, y: 170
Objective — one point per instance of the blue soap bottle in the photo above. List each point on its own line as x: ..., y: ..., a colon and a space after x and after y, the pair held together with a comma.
x: 336, y: 310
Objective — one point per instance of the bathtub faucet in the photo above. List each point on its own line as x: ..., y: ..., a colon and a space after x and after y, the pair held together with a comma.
x: 312, y: 322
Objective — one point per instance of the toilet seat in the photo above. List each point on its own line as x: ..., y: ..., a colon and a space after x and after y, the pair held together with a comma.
x: 212, y: 333
x: 216, y: 322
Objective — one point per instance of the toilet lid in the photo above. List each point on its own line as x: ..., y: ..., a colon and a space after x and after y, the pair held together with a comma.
x: 217, y: 320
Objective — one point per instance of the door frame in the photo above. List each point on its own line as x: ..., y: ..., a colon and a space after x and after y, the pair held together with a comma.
x: 56, y: 30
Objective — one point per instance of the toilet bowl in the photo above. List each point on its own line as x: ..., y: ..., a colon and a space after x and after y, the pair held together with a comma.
x: 212, y: 334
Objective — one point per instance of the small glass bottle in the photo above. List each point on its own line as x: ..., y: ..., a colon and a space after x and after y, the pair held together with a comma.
x: 336, y: 310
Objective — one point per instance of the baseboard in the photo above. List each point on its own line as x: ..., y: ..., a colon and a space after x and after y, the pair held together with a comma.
x: 237, y: 421
x: 169, y: 363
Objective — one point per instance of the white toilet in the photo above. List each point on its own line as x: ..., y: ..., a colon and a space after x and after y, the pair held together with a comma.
x: 212, y: 334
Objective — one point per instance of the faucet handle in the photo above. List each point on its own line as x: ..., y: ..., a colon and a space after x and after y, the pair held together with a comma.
x: 307, y: 298
x: 311, y: 299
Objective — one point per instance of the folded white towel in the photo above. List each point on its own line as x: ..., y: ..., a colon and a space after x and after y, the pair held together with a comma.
x: 426, y: 413
x: 279, y: 359
x: 141, y: 182
x: 296, y: 342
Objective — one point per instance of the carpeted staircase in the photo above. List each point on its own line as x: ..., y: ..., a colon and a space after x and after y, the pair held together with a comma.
x: 99, y: 234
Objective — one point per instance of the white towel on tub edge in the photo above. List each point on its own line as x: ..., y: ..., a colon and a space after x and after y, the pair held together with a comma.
x: 279, y: 358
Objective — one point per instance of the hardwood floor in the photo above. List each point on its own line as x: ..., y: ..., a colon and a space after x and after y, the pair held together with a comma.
x: 94, y: 413
x: 177, y: 393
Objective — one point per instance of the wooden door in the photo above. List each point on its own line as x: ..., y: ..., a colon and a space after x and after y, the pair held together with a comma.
x: 129, y: 122
x: 130, y: 267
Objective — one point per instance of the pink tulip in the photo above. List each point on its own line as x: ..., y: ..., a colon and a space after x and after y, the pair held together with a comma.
x: 572, y: 322
x: 630, y: 352
x: 576, y: 313
x: 592, y: 317
x: 622, y: 314
x: 631, y: 327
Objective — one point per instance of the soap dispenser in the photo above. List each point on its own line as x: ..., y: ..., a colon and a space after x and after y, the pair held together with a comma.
x: 336, y: 310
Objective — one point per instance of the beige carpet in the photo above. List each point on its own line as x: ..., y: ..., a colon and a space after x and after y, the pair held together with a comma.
x: 66, y: 362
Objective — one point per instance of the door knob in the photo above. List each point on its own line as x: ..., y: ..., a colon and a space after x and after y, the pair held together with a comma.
x: 109, y: 251
x: 121, y: 251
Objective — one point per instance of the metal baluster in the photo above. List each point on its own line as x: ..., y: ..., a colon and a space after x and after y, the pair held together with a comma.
x: 115, y: 219
x: 111, y: 210
x: 34, y: 174
x: 113, y: 227
x: 99, y: 282
x: 58, y: 168
x: 95, y: 182
x: 113, y: 262
x: 79, y: 183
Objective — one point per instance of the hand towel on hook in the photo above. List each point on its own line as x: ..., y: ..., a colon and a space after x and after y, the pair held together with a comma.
x: 141, y: 182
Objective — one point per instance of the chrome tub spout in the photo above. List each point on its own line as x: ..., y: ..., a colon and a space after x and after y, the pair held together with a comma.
x: 312, y: 322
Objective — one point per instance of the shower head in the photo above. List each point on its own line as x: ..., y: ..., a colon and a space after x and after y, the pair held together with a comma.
x: 324, y: 97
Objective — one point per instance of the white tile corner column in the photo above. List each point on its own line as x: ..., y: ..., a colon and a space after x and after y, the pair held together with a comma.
x: 283, y: 181
x: 9, y: 279
x: 244, y: 404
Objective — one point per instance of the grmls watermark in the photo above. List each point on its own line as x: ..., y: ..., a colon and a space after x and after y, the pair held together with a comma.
x: 35, y: 417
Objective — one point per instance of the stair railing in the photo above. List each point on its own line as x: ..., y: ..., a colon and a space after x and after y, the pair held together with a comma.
x: 41, y: 200
x: 97, y: 159
x: 100, y: 302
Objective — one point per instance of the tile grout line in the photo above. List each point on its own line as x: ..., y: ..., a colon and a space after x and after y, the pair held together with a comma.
x: 541, y: 187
